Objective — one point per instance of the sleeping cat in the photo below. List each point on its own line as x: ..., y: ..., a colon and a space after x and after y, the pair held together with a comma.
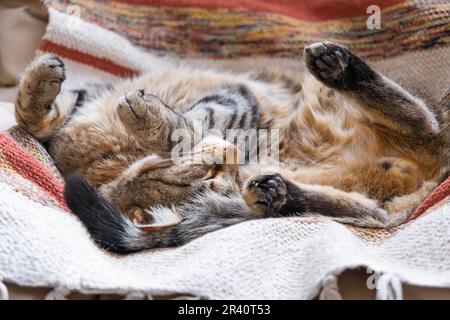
x: 353, y: 145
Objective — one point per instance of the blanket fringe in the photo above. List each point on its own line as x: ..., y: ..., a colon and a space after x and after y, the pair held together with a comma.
x: 4, y: 295
x: 330, y: 289
x: 389, y: 287
x: 59, y: 293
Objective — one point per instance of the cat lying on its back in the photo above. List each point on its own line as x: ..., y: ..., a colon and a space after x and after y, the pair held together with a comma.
x: 354, y: 146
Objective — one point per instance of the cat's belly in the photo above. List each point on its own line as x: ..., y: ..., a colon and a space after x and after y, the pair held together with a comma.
x: 337, y: 147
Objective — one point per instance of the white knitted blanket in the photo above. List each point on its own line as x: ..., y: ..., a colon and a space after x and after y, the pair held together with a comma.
x: 289, y: 258
x: 268, y: 259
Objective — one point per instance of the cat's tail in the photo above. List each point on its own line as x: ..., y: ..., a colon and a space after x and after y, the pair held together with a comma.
x: 108, y: 226
x: 112, y: 230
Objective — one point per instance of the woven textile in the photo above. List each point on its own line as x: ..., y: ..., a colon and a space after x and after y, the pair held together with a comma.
x: 42, y: 244
x: 26, y: 166
x: 224, y: 29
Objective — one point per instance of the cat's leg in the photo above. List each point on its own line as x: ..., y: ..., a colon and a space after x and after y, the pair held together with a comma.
x: 272, y: 195
x: 151, y: 121
x: 384, y: 101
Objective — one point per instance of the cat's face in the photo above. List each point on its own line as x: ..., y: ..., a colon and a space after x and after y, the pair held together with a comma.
x: 211, y: 166
x: 222, y: 159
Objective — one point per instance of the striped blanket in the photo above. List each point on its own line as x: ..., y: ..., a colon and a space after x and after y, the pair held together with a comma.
x: 236, y: 28
x: 106, y: 41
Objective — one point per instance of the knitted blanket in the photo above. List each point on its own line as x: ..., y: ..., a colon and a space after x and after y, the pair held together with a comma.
x: 43, y: 244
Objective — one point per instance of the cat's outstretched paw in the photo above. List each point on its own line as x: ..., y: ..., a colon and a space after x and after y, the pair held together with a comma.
x: 41, y: 83
x: 266, y: 194
x: 336, y: 67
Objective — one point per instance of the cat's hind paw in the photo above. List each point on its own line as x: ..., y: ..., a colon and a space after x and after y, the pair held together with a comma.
x: 41, y: 83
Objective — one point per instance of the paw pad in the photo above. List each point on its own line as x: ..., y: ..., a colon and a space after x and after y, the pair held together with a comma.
x: 267, y: 193
x: 326, y: 61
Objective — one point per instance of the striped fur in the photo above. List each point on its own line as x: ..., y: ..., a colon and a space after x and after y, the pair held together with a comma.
x: 228, y: 107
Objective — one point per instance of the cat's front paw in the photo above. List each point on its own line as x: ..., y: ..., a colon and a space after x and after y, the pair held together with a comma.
x: 266, y: 194
x: 149, y: 120
x: 139, y: 111
x: 336, y: 66
x: 42, y: 82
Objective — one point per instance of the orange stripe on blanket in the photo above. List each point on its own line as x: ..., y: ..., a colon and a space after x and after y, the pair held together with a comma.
x: 31, y: 169
x: 440, y: 193
x: 88, y: 59
x: 315, y: 10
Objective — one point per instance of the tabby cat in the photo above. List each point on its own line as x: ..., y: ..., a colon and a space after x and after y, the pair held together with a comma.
x: 353, y: 145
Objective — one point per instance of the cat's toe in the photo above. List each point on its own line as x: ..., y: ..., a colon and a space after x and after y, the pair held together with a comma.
x: 266, y: 194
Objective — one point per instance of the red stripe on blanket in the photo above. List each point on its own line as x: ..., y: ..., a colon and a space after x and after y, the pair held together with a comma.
x: 25, y: 164
x: 88, y: 59
x: 316, y: 10
x: 440, y: 193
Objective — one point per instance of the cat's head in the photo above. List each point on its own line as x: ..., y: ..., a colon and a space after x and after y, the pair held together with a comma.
x: 220, y: 159
x: 210, y: 168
